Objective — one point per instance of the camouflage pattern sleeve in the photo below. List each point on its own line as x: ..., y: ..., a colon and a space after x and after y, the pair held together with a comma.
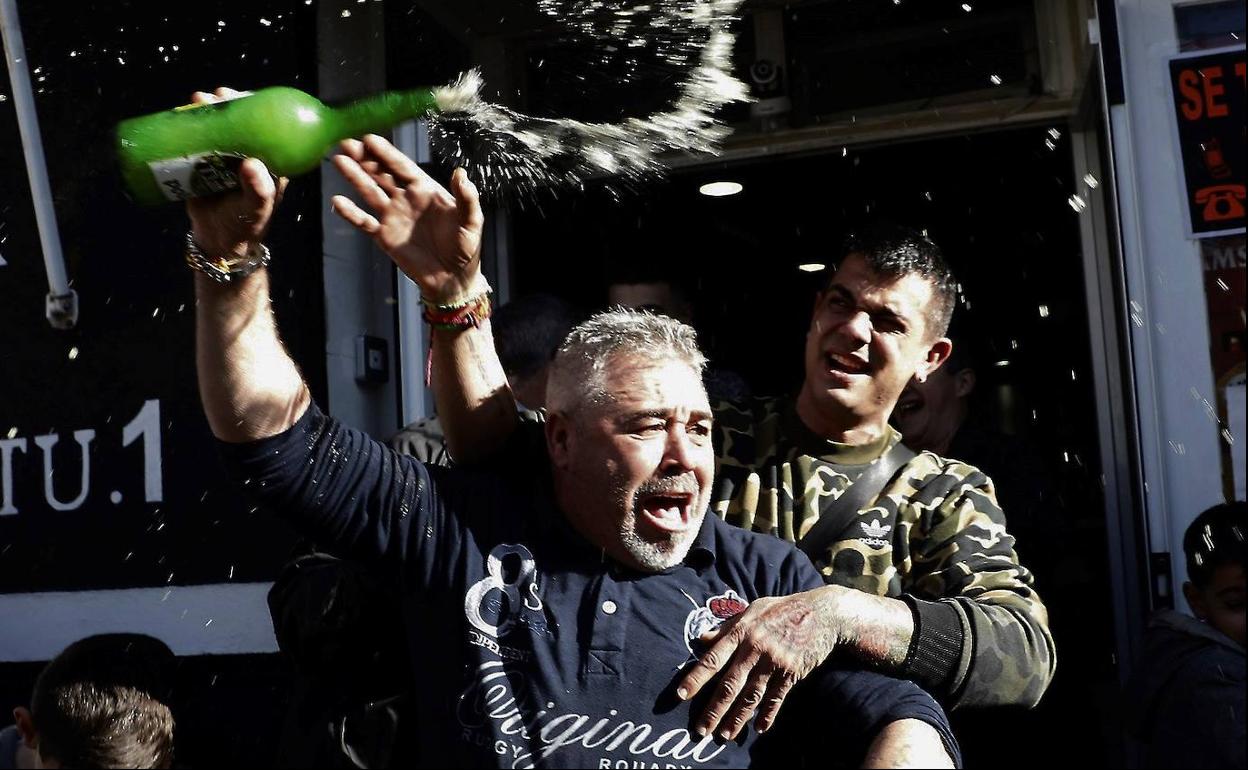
x: 981, y: 634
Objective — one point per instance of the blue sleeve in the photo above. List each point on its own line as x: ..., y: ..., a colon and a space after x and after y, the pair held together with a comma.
x: 354, y: 495
x: 798, y: 574
x: 835, y: 714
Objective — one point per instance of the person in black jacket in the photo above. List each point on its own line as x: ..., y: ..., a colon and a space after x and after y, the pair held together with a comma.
x: 1187, y: 700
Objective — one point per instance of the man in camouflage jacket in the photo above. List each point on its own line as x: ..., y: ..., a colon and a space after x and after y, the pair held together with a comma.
x: 924, y: 583
x: 933, y: 543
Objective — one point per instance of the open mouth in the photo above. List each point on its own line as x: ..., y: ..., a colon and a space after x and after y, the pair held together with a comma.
x: 843, y: 364
x: 667, y: 512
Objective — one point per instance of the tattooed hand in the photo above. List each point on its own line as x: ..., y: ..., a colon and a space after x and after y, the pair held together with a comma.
x: 763, y: 652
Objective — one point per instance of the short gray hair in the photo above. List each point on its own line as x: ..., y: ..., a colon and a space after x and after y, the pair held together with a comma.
x: 578, y: 374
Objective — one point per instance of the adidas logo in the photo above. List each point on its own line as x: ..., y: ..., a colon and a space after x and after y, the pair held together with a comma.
x: 875, y: 533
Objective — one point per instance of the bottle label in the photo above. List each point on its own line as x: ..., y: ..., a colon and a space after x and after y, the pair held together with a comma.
x: 194, y: 176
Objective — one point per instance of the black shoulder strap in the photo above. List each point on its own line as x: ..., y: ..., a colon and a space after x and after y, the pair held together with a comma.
x: 870, y: 484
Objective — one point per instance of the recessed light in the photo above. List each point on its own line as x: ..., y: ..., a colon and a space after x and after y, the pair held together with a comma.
x: 812, y: 267
x: 720, y: 189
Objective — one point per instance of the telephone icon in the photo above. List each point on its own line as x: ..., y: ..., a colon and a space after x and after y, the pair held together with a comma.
x: 1221, y: 202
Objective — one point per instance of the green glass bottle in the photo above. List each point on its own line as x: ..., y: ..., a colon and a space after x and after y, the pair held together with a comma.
x: 196, y: 149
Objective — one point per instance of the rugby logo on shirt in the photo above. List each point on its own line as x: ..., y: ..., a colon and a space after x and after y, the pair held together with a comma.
x: 710, y: 616
x: 505, y: 600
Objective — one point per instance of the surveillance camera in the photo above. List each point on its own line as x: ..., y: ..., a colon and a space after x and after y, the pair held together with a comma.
x: 765, y: 75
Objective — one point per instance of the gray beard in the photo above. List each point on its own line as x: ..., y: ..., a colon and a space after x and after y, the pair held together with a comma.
x: 654, y: 555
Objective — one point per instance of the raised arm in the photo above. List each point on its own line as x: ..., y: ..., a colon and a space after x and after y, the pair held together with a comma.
x: 250, y: 387
x: 434, y: 237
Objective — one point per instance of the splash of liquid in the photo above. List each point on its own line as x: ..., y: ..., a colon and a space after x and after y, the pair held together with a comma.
x: 507, y: 152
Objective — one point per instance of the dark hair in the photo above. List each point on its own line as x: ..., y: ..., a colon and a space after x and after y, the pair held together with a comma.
x: 528, y: 330
x: 103, y: 702
x: 893, y: 251
x: 1215, y: 539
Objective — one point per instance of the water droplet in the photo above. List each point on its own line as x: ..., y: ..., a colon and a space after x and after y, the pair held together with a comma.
x: 346, y: 13
x: 967, y: 7
x: 1044, y: 311
x: 1077, y: 203
x: 12, y: 432
x: 995, y: 79
x: 1091, y: 181
x: 73, y: 353
x: 266, y: 22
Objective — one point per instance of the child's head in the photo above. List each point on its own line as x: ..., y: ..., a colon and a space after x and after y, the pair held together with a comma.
x: 1214, y: 546
x: 102, y: 703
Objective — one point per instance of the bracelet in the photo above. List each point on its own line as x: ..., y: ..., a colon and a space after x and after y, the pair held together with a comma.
x: 458, y: 304
x: 466, y: 314
x: 226, y: 270
x: 469, y: 313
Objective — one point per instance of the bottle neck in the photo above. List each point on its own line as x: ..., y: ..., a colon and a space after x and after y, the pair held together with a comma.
x: 378, y: 113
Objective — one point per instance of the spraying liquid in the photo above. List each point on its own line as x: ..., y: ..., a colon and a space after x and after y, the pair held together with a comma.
x: 508, y: 152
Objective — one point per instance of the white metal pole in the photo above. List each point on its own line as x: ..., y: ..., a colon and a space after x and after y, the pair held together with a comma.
x: 62, y: 304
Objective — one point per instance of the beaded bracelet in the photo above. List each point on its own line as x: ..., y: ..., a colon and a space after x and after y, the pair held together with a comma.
x: 469, y: 313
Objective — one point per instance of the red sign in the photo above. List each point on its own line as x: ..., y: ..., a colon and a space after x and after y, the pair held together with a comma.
x: 1208, y: 90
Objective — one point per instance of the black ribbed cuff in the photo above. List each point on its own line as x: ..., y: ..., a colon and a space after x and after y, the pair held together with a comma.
x: 936, y: 647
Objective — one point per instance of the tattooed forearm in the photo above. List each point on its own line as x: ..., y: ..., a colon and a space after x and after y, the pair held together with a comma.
x: 876, y: 628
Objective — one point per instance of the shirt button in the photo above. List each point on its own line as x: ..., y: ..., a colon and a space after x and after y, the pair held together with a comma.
x: 609, y: 607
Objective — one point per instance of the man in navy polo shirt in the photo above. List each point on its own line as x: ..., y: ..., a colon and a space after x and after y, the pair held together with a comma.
x: 550, y: 616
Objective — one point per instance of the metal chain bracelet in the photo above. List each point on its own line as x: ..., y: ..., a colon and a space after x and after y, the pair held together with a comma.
x: 222, y: 270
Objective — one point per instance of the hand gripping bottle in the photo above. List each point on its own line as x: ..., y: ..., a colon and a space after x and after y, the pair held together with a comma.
x: 196, y: 149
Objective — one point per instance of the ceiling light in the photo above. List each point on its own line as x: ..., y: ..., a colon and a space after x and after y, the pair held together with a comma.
x: 812, y: 267
x: 720, y: 189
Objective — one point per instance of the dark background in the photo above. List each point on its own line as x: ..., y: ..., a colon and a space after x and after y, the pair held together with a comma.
x: 134, y: 338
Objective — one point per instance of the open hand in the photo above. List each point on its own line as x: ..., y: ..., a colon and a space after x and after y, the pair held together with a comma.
x: 763, y: 653
x: 433, y: 236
